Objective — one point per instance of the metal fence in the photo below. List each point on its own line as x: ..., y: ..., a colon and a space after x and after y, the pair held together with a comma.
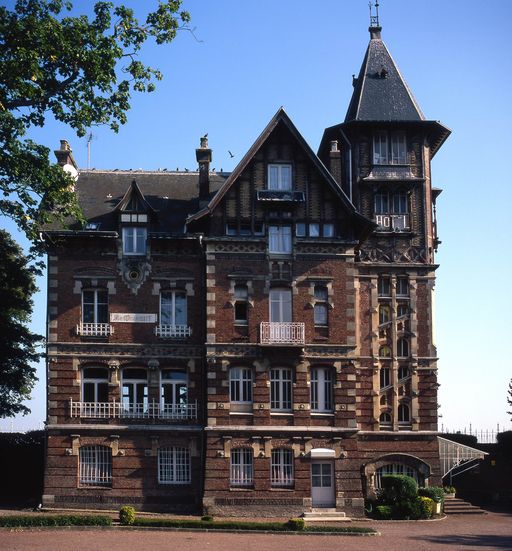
x: 483, y: 436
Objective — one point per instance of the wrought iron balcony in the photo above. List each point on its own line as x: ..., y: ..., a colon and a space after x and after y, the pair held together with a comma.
x: 392, y: 222
x: 121, y: 410
x: 282, y: 333
x: 94, y: 329
x: 173, y: 331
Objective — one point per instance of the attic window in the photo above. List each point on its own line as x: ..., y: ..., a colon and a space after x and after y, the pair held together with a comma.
x: 383, y: 73
x: 280, y: 177
x: 141, y: 218
x: 134, y: 240
x: 92, y: 226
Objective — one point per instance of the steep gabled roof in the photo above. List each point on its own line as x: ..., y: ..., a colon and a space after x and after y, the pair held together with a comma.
x: 380, y: 92
x: 281, y: 117
x: 134, y: 196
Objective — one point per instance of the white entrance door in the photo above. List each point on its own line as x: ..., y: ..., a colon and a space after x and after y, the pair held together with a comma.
x: 322, y: 484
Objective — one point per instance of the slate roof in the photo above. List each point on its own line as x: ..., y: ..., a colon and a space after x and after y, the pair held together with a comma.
x: 172, y: 195
x: 378, y: 95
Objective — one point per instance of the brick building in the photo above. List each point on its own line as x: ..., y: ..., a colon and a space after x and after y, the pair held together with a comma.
x: 259, y: 342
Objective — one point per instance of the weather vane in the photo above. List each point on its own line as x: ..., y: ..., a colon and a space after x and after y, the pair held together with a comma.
x: 374, y: 19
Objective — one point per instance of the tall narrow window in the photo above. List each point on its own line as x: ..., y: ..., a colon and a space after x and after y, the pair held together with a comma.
x: 95, y: 466
x: 173, y: 389
x: 134, y: 240
x: 402, y: 348
x: 94, y: 384
x: 280, y: 239
x: 402, y: 287
x: 135, y: 391
x: 95, y: 306
x: 380, y: 148
x: 241, y: 467
x: 381, y: 202
x: 240, y: 384
x: 241, y: 304
x: 174, y: 465
x: 281, y: 470
x: 321, y: 389
x: 384, y: 286
x: 398, y: 148
x: 400, y: 203
x: 385, y: 420
x: 385, y: 377
x: 384, y: 351
x: 281, y: 389
x: 384, y: 314
x: 404, y: 414
x: 280, y: 177
x: 321, y: 305
x: 280, y: 305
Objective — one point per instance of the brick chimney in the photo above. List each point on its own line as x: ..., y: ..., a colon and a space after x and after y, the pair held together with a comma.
x: 204, y: 158
x: 335, y: 162
x: 65, y: 155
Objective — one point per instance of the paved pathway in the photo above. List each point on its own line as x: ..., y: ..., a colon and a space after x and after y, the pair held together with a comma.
x: 484, y: 532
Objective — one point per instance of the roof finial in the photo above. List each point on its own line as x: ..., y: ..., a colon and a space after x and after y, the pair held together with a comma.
x: 374, y: 19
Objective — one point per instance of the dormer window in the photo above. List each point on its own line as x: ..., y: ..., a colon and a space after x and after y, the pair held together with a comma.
x: 134, y: 240
x: 280, y: 177
x: 389, y: 148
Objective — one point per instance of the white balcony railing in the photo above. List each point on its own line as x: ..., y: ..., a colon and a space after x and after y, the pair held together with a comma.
x: 282, y: 333
x: 120, y: 410
x: 173, y: 331
x: 392, y: 222
x: 94, y: 329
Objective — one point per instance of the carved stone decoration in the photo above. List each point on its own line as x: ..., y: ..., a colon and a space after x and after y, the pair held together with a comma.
x: 134, y: 272
x: 393, y: 254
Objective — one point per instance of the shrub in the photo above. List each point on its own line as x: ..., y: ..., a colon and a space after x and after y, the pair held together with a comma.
x: 127, y: 515
x: 436, y: 493
x: 207, y: 518
x: 383, y: 512
x: 448, y: 489
x: 397, y: 489
x: 296, y: 524
x: 17, y: 521
x: 426, y: 507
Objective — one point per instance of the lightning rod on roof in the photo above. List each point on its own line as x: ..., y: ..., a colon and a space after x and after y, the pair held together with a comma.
x: 374, y: 19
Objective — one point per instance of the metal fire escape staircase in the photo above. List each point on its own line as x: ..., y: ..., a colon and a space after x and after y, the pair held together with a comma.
x: 457, y: 458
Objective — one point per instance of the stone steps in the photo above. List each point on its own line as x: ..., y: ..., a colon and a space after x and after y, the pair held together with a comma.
x: 325, y: 515
x: 457, y: 506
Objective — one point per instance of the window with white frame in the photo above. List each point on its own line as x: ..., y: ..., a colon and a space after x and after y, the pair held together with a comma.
x: 173, y: 308
x: 281, y: 469
x: 95, y: 306
x: 174, y: 465
x: 280, y: 305
x: 95, y: 466
x: 173, y: 388
x: 280, y: 177
x: 241, y: 304
x: 321, y: 307
x: 321, y: 389
x: 240, y: 385
x: 279, y: 239
x: 95, y: 384
x: 135, y: 390
x: 394, y: 468
x: 134, y: 240
x: 242, y: 467
x: 281, y: 383
x: 389, y: 149
x: 404, y: 413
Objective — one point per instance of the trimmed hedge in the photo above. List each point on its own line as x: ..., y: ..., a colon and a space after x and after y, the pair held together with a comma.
x: 126, y: 515
x: 19, y: 521
x: 293, y: 525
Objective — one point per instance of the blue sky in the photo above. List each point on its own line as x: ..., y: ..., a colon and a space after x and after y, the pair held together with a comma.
x: 249, y: 58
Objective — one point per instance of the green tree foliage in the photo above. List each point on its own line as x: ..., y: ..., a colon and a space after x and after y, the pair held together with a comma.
x: 18, y: 345
x: 79, y: 70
